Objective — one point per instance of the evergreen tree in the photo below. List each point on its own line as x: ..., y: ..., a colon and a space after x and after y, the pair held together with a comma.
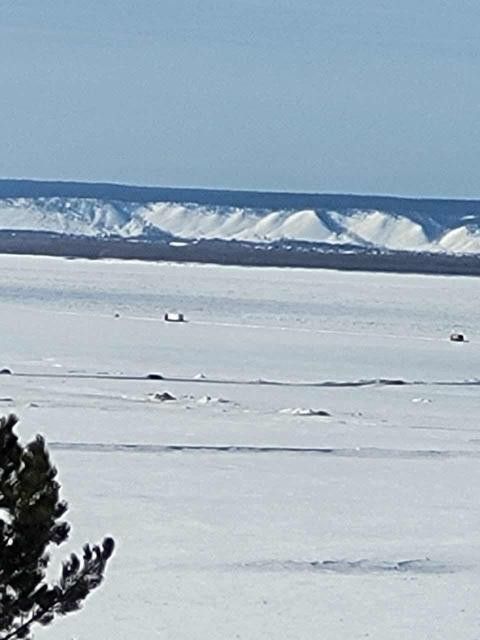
x: 30, y: 522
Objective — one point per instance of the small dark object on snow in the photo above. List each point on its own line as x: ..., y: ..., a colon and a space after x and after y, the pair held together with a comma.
x: 154, y: 376
x: 164, y: 397
x: 457, y: 337
x: 117, y: 315
x: 5, y: 372
x: 174, y: 317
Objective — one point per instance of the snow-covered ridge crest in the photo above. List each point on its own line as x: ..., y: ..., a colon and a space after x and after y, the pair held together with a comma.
x: 362, y: 227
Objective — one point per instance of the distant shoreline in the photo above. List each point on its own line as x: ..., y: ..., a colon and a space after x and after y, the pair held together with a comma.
x: 307, y: 230
x: 291, y: 255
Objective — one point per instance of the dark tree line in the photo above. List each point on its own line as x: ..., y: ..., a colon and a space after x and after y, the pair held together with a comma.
x: 31, y: 522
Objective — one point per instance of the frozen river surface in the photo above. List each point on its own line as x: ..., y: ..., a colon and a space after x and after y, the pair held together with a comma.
x: 240, y: 509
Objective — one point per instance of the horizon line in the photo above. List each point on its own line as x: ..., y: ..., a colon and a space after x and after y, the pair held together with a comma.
x: 243, y: 190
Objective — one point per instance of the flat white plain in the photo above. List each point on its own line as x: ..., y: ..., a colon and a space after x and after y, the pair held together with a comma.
x: 238, y: 512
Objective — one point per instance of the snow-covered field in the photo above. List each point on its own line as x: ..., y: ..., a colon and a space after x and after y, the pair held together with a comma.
x: 239, y: 511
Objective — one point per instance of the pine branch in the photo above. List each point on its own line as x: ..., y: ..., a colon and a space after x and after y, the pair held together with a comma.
x: 32, y: 509
x: 79, y: 582
x: 25, y: 627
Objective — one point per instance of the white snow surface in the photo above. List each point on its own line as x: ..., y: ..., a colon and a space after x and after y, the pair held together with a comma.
x: 190, y: 221
x: 238, y: 512
x: 384, y: 230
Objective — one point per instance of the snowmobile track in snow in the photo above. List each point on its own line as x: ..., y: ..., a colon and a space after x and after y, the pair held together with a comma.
x: 368, y: 382
x: 361, y: 453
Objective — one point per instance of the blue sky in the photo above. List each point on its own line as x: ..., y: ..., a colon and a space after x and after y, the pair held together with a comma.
x: 364, y: 96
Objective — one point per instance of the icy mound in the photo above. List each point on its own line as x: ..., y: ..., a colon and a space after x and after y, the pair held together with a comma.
x: 461, y: 240
x: 385, y: 230
x: 300, y: 411
x: 72, y: 216
x: 381, y: 229
x: 191, y: 221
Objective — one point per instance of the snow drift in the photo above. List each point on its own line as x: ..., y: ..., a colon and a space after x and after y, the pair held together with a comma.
x: 355, y: 221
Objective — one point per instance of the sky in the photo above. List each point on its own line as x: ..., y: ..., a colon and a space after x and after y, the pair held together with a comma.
x: 356, y: 96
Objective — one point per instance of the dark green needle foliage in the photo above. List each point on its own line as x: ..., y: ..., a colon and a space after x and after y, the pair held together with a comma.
x: 31, y: 523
